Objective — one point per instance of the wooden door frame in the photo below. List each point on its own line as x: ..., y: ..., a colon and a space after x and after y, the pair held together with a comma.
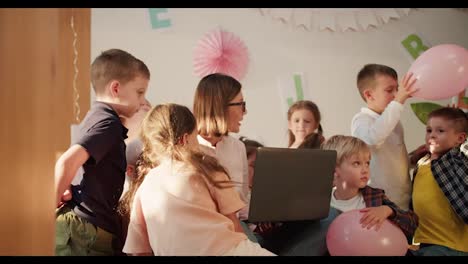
x: 36, y: 99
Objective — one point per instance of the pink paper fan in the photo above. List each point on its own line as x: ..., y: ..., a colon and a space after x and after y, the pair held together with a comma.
x: 220, y: 51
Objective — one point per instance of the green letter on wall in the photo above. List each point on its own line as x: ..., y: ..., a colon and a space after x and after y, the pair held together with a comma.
x: 299, y: 91
x: 414, y: 45
x: 155, y: 21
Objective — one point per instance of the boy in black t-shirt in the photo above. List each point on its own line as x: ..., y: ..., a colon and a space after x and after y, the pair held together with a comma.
x: 87, y: 224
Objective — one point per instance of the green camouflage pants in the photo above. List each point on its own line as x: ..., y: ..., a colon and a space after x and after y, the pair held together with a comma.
x: 75, y: 236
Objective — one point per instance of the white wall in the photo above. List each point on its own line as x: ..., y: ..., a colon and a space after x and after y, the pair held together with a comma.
x: 329, y: 60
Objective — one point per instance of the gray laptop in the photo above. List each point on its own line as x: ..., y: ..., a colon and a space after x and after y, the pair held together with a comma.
x: 291, y: 184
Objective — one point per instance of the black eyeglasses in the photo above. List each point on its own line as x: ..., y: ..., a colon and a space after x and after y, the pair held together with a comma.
x: 243, y: 104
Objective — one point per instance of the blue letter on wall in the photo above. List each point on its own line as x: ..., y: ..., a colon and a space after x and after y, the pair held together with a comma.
x: 157, y: 23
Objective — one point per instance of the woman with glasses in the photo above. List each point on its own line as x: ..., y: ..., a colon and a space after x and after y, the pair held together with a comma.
x: 219, y: 108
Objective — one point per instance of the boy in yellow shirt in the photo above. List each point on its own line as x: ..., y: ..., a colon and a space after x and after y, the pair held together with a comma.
x: 440, y: 186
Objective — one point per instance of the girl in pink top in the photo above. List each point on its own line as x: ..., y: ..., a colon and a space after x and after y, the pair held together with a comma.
x: 185, y: 204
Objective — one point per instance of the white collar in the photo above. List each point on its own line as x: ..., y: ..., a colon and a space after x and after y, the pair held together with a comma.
x: 204, y: 142
x: 369, y: 111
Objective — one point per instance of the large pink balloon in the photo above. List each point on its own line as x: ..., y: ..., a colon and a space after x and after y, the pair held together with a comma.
x: 442, y: 72
x: 346, y: 237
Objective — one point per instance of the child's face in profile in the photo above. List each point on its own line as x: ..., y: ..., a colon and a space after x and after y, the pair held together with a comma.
x: 441, y: 136
x: 383, y: 93
x: 131, y: 95
x: 353, y: 172
x: 302, y: 123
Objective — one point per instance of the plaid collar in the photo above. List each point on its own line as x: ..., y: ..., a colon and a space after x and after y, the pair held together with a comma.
x: 451, y: 173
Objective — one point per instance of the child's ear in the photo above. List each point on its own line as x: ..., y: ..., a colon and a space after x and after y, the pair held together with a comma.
x: 183, y: 139
x: 114, y: 87
x: 335, y: 177
x: 336, y: 174
x: 367, y: 94
x: 461, y: 137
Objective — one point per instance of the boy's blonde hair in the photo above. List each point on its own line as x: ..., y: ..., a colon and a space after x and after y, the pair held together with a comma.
x: 366, y: 76
x: 116, y: 64
x: 210, y: 104
x: 307, y: 105
x: 345, y: 147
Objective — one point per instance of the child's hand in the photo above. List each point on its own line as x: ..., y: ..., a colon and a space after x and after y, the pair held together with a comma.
x: 264, y: 227
x: 407, y: 88
x: 66, y: 196
x: 452, y: 105
x: 375, y: 216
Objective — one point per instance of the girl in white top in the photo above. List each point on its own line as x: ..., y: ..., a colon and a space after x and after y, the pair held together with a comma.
x: 186, y: 204
x: 219, y: 108
x: 303, y: 122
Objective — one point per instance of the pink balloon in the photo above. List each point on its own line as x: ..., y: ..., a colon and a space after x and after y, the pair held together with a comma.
x: 346, y: 237
x: 442, y: 72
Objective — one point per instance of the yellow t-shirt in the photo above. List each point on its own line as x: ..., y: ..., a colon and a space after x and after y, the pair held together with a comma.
x: 438, y: 223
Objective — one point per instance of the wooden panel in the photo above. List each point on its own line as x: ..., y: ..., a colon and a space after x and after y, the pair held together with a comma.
x: 37, y: 107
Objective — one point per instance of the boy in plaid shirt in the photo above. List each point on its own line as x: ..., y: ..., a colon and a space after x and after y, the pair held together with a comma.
x: 440, y: 192
x: 351, y: 191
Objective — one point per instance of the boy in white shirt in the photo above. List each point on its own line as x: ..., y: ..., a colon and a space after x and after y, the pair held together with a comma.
x: 378, y: 125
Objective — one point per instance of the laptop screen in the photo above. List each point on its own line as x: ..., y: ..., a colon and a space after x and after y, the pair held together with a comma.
x: 291, y: 184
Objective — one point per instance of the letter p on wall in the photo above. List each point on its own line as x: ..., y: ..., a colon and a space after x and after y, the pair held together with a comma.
x: 414, y: 45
